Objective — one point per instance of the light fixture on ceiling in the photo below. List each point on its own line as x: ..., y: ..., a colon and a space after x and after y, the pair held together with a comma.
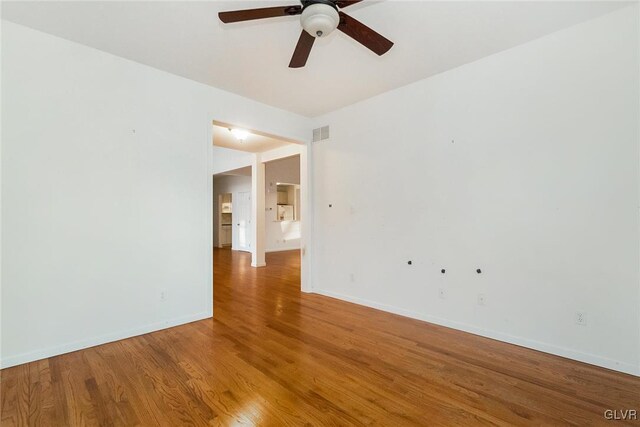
x: 320, y: 19
x: 240, y: 134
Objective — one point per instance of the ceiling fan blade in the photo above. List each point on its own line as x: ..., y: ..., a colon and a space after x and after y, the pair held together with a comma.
x: 344, y: 3
x: 363, y: 34
x: 303, y: 49
x: 266, y: 12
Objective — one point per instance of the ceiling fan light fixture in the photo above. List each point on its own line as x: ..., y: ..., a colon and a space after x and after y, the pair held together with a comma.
x: 319, y: 19
x: 240, y: 134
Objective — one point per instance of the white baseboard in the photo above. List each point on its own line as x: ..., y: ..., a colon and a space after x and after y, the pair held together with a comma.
x: 511, y: 339
x: 32, y: 356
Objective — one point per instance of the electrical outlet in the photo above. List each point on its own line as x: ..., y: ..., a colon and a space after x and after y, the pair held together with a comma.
x: 352, y: 277
x: 581, y: 318
x: 442, y: 293
x: 482, y: 299
x: 163, y: 296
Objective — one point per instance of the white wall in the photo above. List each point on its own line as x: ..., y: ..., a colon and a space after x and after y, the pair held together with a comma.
x: 280, y: 235
x: 226, y: 159
x: 524, y: 164
x: 107, y: 194
x: 228, y: 184
x: 539, y: 189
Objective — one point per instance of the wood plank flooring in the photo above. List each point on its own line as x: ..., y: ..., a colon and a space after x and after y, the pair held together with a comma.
x: 273, y: 356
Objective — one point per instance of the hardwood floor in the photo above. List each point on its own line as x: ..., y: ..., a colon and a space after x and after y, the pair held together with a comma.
x: 275, y: 356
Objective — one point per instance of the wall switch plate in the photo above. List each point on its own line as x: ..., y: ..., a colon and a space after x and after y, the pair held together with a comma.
x: 442, y: 293
x: 163, y: 296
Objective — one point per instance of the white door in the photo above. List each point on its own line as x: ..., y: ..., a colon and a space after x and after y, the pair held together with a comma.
x: 242, y: 222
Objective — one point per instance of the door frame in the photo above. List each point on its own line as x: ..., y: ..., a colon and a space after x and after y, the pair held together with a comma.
x: 306, y: 200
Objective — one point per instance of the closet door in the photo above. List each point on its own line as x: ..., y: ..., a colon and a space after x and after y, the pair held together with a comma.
x: 242, y: 221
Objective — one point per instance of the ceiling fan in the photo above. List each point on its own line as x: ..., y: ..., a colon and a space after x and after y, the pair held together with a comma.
x: 318, y: 19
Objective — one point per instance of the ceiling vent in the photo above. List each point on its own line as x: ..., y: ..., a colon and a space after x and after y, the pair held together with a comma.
x: 320, y: 134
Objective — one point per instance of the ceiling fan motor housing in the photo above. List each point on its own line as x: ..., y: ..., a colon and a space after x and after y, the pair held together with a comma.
x: 320, y: 19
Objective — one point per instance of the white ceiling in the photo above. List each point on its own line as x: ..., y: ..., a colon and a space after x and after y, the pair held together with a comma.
x: 251, y: 58
x: 254, y: 143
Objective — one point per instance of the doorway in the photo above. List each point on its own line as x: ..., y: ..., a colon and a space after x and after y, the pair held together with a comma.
x: 225, y: 219
x: 232, y: 210
x: 261, y: 225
